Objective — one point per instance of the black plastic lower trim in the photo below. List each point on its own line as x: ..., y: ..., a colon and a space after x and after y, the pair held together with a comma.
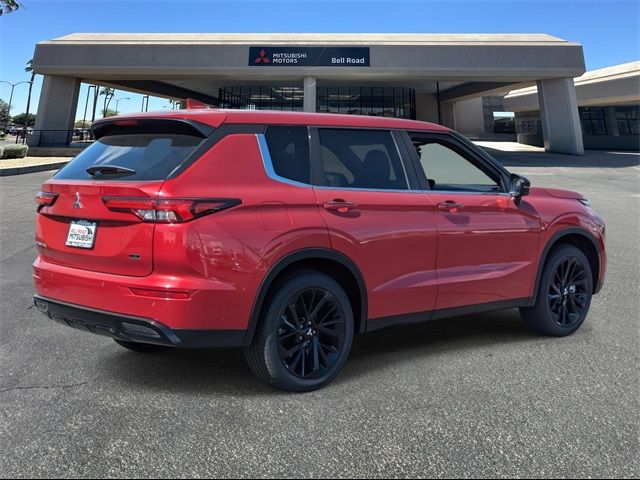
x: 134, y: 329
x: 421, y: 317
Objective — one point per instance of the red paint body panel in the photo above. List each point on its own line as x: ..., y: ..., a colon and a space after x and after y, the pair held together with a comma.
x: 413, y: 257
x: 392, y: 237
x: 118, y: 234
x: 487, y: 249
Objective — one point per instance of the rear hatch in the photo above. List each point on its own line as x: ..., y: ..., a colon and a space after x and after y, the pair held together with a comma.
x: 81, y: 223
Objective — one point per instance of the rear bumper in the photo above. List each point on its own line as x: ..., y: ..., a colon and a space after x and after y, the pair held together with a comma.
x: 134, y: 329
x: 210, y: 303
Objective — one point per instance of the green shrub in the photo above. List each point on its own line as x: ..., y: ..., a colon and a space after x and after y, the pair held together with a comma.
x: 14, y: 151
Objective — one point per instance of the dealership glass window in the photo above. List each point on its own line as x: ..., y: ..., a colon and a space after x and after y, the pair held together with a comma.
x: 256, y: 97
x: 530, y: 127
x: 374, y: 101
x: 361, y: 159
x: 628, y: 118
x: 592, y: 120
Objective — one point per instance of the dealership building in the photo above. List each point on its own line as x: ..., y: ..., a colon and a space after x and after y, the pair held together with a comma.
x: 436, y: 78
x: 608, y: 107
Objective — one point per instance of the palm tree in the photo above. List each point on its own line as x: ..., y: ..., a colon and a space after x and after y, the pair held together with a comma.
x: 29, y: 69
x: 8, y: 6
x: 108, y: 93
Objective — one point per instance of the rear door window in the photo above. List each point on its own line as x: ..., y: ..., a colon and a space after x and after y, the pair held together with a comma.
x: 366, y: 159
x: 151, y: 156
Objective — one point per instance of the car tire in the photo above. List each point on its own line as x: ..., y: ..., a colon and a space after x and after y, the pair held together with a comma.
x: 564, y: 294
x: 142, y: 347
x: 304, y: 335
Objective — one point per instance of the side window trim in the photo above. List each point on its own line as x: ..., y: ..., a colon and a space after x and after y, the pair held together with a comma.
x: 268, y: 164
x: 319, y: 180
x: 450, y: 141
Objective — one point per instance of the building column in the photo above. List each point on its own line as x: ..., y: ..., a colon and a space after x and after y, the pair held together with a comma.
x: 449, y: 115
x: 56, y: 110
x: 611, y: 121
x: 309, y: 94
x: 426, y: 107
x: 561, y: 129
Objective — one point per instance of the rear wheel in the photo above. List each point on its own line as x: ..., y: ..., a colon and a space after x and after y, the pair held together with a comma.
x: 142, y: 347
x: 564, y: 294
x: 304, y: 335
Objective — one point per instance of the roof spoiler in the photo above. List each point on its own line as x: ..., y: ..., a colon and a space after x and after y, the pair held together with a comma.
x: 193, y: 104
x: 128, y: 126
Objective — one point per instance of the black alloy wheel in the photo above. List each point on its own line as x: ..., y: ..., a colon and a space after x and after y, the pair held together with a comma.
x: 568, y: 295
x: 304, y: 333
x: 311, y: 333
x: 564, y: 293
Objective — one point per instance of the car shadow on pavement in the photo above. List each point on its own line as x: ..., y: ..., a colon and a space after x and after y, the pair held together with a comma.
x: 220, y: 371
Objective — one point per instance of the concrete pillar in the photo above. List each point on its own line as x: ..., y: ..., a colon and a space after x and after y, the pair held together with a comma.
x: 56, y: 110
x: 426, y: 107
x: 469, y: 117
x: 611, y: 120
x: 309, y: 103
x: 559, y: 116
x: 449, y: 115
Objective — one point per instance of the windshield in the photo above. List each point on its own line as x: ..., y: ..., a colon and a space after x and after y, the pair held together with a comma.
x: 151, y: 156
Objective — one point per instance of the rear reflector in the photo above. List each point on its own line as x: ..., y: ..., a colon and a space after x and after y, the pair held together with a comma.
x: 45, y: 199
x: 168, y: 294
x: 169, y: 210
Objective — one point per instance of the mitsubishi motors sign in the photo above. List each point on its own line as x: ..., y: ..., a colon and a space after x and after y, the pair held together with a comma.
x: 309, y: 56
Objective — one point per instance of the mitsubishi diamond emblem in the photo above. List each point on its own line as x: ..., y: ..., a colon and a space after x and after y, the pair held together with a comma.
x: 77, y: 203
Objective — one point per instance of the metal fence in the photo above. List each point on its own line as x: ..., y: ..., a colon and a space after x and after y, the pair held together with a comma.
x: 56, y: 138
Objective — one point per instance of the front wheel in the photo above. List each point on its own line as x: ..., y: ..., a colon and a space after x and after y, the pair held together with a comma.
x: 304, y: 335
x: 564, y: 294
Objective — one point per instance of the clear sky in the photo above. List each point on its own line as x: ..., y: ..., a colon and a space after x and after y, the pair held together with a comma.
x: 608, y: 29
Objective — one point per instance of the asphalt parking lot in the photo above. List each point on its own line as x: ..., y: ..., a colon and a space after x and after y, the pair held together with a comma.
x: 476, y: 396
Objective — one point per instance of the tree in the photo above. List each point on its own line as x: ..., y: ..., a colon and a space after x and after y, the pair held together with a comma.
x: 4, y: 112
x: 108, y: 93
x: 23, y: 118
x: 8, y: 6
x: 109, y: 113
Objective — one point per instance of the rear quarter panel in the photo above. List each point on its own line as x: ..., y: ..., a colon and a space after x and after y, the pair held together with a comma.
x: 236, y: 247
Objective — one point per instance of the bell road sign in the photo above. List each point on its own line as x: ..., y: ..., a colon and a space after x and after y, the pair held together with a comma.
x: 309, y: 56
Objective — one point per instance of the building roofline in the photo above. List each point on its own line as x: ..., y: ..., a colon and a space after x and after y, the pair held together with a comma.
x: 371, y: 39
x: 614, y: 72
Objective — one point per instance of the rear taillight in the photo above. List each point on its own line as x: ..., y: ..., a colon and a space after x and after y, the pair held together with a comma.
x: 45, y: 199
x: 169, y: 210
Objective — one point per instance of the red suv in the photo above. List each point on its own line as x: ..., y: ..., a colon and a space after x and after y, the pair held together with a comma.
x: 288, y: 233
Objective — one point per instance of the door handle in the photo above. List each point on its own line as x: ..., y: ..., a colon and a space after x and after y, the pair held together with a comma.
x: 339, y: 205
x: 450, y: 206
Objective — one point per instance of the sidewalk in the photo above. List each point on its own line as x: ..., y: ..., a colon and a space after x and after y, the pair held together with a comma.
x: 17, y: 166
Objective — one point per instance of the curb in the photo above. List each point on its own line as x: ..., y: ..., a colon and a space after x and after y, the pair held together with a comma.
x: 5, y: 172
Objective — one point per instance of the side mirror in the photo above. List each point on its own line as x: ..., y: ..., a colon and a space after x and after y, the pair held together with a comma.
x: 519, y: 187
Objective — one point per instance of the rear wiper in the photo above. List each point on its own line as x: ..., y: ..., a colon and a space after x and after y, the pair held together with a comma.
x: 109, y: 170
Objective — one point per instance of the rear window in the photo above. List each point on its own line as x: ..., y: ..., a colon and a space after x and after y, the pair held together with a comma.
x: 152, y: 156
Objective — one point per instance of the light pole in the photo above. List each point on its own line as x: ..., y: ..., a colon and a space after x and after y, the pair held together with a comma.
x: 86, y: 104
x: 124, y: 98
x: 145, y: 103
x: 13, y: 85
